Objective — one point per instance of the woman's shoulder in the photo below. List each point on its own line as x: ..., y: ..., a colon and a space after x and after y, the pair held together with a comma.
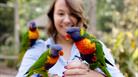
x: 38, y: 43
x: 41, y: 44
x: 49, y: 41
x: 36, y: 50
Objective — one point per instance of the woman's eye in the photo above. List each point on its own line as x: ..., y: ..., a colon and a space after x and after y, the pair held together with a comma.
x: 61, y: 14
x: 72, y: 14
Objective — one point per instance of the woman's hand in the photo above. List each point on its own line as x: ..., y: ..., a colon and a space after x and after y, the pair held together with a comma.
x: 52, y: 75
x: 78, y: 69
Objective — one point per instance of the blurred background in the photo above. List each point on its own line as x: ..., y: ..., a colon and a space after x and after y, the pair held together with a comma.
x: 115, y: 22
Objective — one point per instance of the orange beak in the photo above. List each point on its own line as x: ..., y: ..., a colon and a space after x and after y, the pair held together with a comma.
x: 61, y: 53
x: 67, y: 37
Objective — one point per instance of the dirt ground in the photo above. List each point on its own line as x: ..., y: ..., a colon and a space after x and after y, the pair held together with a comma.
x: 7, y: 72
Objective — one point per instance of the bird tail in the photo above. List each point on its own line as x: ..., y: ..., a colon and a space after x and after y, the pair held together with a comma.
x: 44, y: 74
x: 28, y: 74
x: 106, y: 72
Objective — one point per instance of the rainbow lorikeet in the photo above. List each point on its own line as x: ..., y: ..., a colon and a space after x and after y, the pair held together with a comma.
x: 90, y: 48
x: 28, y: 40
x: 33, y: 33
x: 46, y: 61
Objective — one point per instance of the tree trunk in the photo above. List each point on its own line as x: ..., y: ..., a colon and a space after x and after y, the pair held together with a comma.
x: 16, y: 27
x: 92, y: 16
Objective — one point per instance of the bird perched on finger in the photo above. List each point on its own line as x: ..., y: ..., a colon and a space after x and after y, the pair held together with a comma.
x: 90, y: 48
x: 46, y: 61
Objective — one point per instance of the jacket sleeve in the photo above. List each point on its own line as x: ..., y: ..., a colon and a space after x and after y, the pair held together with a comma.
x: 114, y: 70
x: 31, y: 55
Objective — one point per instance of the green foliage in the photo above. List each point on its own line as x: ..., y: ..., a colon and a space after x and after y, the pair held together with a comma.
x: 6, y: 23
x: 123, y: 36
x: 124, y: 46
x: 31, y: 9
x: 8, y: 50
x: 104, y: 13
x: 3, y: 1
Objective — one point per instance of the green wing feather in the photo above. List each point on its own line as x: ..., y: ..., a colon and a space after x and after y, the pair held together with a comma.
x: 104, y: 69
x: 38, y: 71
x: 100, y: 54
x: 23, y: 48
x: 39, y: 63
x: 93, y: 66
x: 41, y: 60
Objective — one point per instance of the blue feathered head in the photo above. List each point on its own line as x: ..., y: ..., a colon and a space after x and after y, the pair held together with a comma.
x: 74, y: 33
x: 32, y: 26
x: 56, y: 50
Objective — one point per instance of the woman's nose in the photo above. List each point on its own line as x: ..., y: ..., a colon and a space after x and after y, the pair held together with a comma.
x: 67, y: 20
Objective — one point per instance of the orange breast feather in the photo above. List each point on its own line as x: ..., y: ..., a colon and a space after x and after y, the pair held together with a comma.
x: 85, y: 46
x: 33, y: 34
x: 52, y: 60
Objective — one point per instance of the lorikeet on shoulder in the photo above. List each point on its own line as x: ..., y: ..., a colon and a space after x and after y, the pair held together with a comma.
x: 46, y: 61
x: 90, y: 48
x: 29, y: 38
x: 33, y: 33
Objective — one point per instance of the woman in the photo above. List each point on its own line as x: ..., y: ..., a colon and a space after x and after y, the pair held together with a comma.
x: 63, y: 14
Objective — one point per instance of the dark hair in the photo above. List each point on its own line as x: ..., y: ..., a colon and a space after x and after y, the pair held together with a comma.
x: 75, y: 7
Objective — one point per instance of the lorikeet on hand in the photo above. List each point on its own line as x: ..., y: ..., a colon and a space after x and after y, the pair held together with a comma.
x: 46, y: 61
x: 90, y: 48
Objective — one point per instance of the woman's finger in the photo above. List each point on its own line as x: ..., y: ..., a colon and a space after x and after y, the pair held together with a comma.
x: 75, y: 71
x: 76, y: 64
x: 76, y: 76
x: 52, y: 75
x: 91, y: 73
x: 55, y: 75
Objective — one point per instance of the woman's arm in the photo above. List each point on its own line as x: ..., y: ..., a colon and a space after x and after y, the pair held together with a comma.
x: 31, y: 55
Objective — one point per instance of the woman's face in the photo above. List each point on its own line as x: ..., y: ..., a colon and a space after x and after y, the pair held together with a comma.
x: 62, y: 17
